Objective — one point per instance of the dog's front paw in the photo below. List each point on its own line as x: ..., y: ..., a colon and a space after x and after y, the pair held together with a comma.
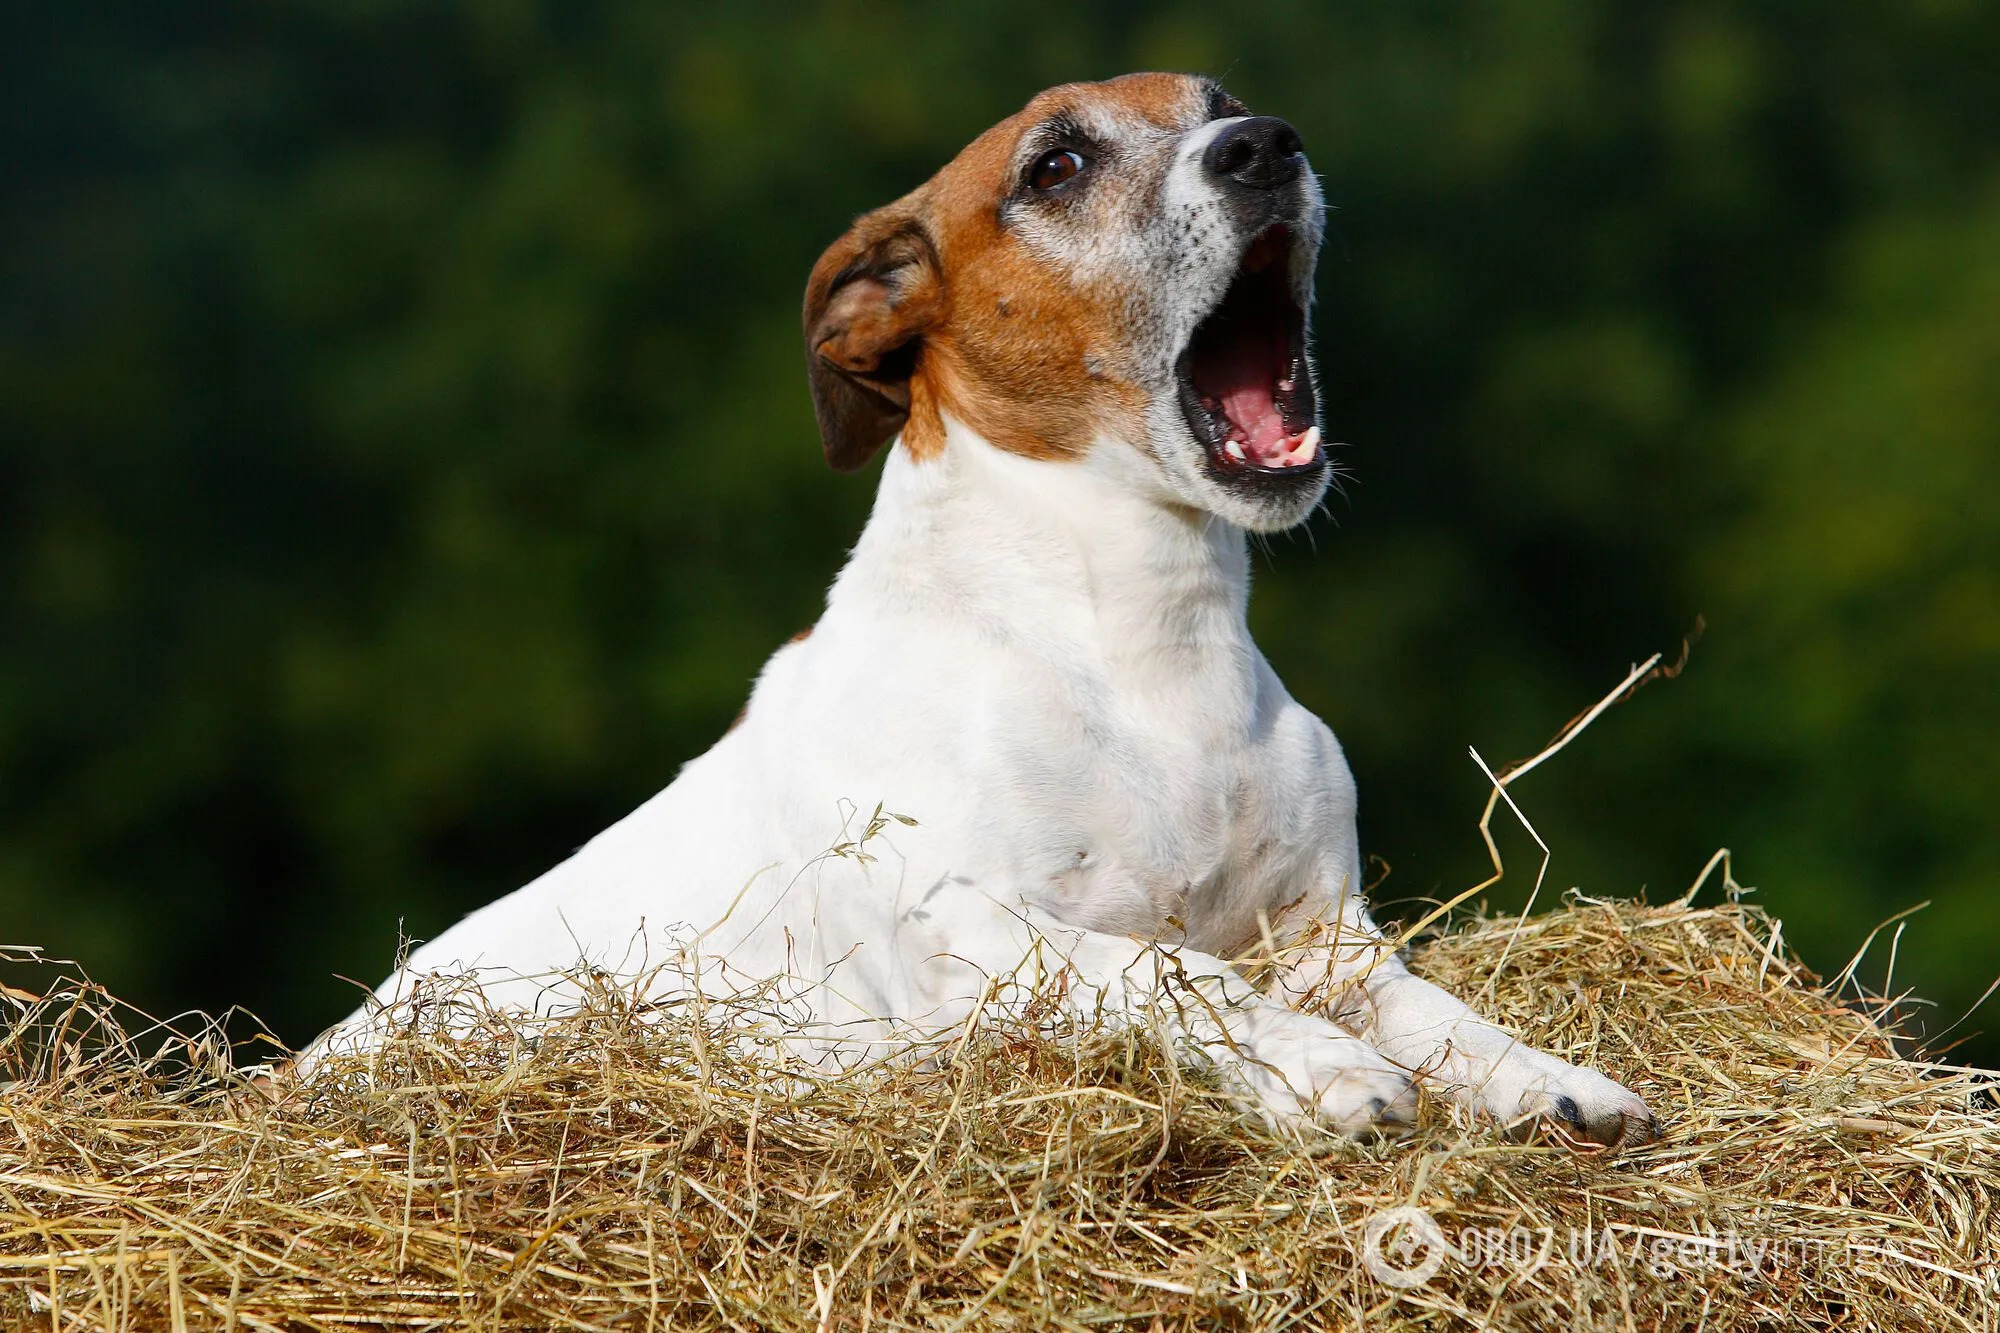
x: 1528, y: 1086
x: 1308, y: 1070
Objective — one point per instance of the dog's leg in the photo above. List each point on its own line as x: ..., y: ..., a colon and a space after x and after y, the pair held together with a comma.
x: 1292, y: 1065
x: 1332, y: 953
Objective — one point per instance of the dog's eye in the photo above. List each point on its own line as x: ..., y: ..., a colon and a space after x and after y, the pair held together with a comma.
x: 1052, y: 169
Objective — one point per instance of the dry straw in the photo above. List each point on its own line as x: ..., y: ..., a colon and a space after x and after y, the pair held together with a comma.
x: 638, y: 1167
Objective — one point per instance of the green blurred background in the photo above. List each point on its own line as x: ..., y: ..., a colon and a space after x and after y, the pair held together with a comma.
x: 405, y: 460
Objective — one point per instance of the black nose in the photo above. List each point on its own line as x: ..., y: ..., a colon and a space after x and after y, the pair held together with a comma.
x: 1261, y: 152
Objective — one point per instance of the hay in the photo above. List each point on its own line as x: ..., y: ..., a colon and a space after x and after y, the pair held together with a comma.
x: 647, y: 1172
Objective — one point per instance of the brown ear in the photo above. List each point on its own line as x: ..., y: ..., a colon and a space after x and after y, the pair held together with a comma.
x: 871, y: 298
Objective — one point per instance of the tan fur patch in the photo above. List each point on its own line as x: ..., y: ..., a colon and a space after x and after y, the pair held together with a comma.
x: 1006, y: 342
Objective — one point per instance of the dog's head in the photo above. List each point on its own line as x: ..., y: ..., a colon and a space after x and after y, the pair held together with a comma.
x: 1121, y: 265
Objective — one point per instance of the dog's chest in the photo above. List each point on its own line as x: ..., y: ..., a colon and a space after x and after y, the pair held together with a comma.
x: 1080, y: 703
x: 1159, y: 788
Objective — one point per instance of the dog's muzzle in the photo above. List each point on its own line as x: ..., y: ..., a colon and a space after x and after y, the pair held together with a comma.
x: 1245, y: 386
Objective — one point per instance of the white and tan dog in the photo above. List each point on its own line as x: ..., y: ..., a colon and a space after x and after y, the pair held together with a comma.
x: 1086, y: 339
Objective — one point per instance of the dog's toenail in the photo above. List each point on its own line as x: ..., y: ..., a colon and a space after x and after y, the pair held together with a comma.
x: 1566, y: 1109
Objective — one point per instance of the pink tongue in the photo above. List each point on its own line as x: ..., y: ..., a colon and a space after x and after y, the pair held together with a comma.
x: 1241, y: 383
x: 1265, y: 438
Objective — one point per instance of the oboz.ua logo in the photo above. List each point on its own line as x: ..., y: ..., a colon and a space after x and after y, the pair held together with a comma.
x: 1403, y: 1247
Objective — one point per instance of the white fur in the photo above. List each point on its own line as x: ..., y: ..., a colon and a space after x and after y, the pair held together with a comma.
x: 1051, y: 672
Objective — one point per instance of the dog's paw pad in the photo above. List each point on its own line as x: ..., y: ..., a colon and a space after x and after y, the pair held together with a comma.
x: 1532, y: 1090
x: 1389, y: 1114
x: 1613, y: 1118
x: 1319, y: 1075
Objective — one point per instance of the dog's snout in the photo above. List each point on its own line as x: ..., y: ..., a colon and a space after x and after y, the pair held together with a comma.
x: 1260, y: 152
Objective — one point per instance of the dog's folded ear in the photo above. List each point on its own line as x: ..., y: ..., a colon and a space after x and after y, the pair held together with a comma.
x: 871, y: 298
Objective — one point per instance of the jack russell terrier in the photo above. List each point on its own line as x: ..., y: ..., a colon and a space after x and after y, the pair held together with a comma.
x: 1085, y: 340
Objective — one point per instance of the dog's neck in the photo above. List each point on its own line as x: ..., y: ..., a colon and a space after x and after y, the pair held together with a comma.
x: 1086, y: 555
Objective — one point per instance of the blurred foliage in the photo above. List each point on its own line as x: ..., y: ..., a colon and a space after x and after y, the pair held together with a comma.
x: 405, y: 462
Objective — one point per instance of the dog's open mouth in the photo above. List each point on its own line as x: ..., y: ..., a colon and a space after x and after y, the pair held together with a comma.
x: 1244, y: 383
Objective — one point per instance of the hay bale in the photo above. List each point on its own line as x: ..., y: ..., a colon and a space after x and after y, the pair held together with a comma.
x: 651, y: 1173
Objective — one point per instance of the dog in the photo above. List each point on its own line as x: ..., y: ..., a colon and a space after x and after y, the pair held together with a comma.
x: 1084, y: 345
